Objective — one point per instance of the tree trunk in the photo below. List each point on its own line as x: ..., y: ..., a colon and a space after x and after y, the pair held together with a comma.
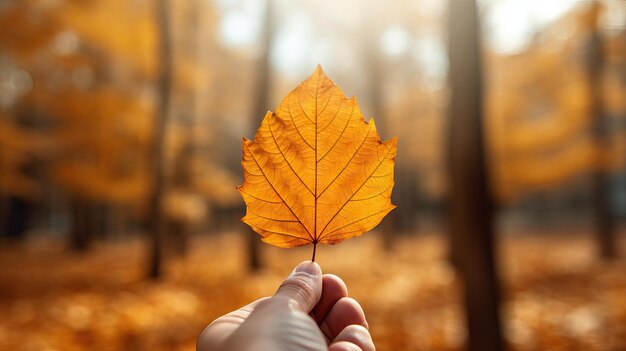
x: 371, y: 55
x: 15, y: 222
x: 600, y: 180
x: 82, y: 228
x: 179, y: 238
x: 156, y: 218
x: 254, y: 251
x: 261, y: 103
x: 471, y: 207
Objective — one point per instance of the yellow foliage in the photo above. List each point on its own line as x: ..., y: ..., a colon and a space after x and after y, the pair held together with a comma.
x: 218, y: 188
x: 184, y: 206
x: 124, y: 29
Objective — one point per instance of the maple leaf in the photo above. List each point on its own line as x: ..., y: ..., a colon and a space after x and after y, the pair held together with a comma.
x: 316, y: 172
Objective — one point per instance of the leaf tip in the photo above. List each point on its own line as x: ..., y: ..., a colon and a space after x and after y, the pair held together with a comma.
x: 319, y: 72
x: 373, y: 123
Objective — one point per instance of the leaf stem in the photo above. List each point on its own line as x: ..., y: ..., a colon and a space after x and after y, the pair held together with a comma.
x: 314, y: 249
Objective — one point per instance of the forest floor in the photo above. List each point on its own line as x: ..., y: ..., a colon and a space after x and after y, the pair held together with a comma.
x: 558, y: 296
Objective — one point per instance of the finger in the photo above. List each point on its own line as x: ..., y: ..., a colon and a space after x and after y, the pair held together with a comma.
x: 343, y: 346
x: 303, y: 287
x: 357, y: 335
x: 221, y: 328
x: 344, y: 313
x: 333, y: 289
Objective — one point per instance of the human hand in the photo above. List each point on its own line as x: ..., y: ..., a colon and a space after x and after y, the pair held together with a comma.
x: 310, y: 311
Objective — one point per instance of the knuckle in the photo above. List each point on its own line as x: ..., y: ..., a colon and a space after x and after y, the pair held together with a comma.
x: 360, y: 336
x: 299, y: 287
x: 301, y: 284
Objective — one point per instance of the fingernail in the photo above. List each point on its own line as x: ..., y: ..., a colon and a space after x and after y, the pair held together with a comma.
x: 309, y: 267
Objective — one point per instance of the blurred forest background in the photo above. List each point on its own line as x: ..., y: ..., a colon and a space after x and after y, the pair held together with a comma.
x: 120, y: 135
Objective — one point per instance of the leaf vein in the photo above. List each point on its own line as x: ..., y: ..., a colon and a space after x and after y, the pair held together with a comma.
x: 281, y: 233
x: 357, y: 190
x: 332, y: 119
x: 330, y: 96
x: 269, y: 124
x: 348, y: 163
x: 272, y: 219
x: 302, y: 108
x: 373, y: 196
x: 340, y: 134
x: 260, y: 199
x: 277, y: 193
x: 296, y: 126
x: 330, y: 234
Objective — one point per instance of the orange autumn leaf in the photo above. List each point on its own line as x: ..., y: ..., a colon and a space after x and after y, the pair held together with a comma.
x: 316, y: 172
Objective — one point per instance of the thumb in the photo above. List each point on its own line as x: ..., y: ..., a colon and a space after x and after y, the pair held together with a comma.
x: 303, y: 287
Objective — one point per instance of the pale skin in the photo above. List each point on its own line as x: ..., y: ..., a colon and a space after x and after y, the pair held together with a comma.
x: 309, y: 312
